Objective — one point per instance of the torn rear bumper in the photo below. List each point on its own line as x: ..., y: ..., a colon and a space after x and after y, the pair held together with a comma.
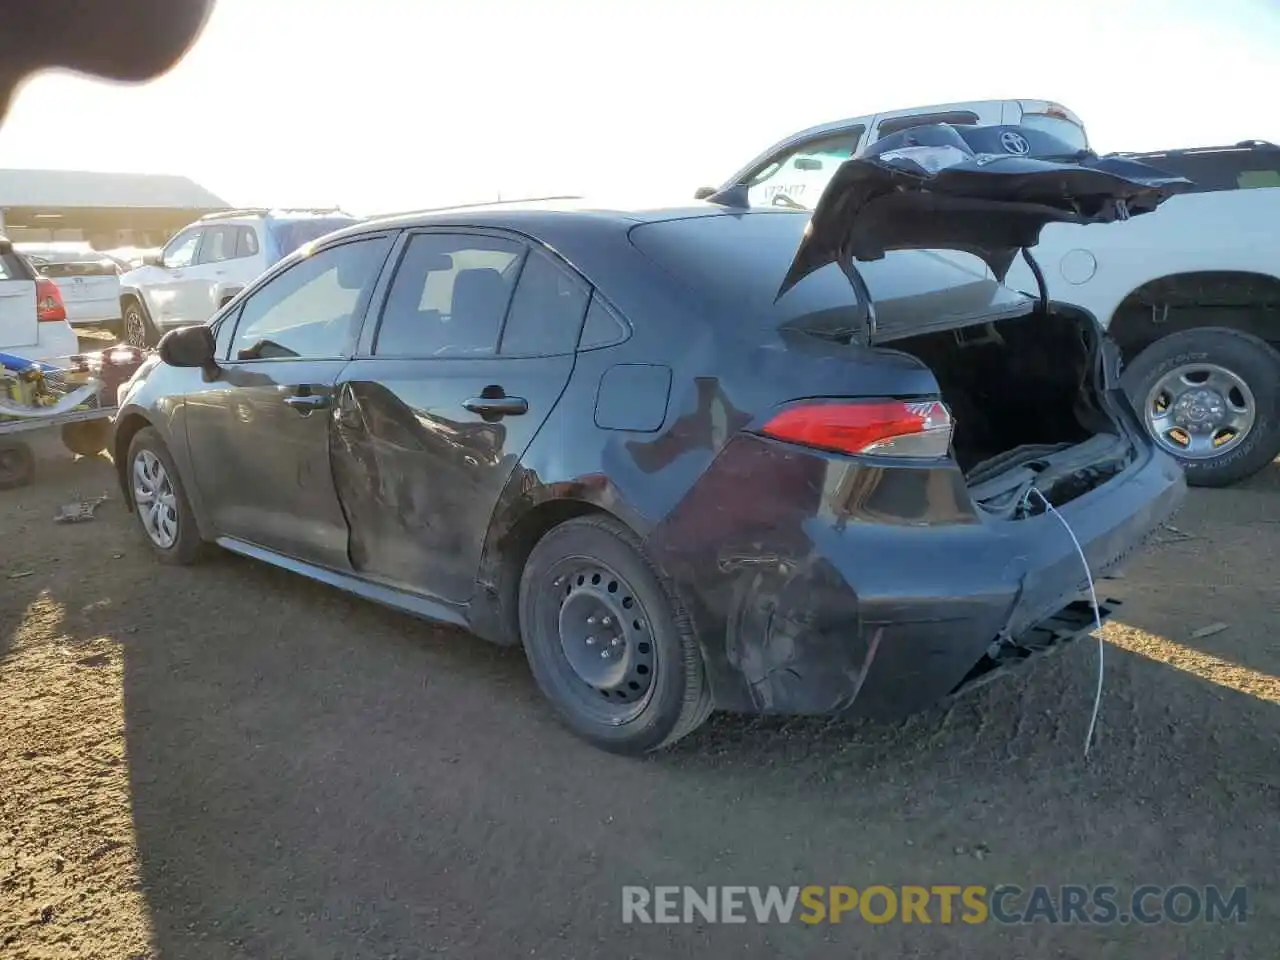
x: 847, y: 607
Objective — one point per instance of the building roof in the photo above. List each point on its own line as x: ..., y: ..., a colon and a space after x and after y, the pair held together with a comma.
x: 77, y: 188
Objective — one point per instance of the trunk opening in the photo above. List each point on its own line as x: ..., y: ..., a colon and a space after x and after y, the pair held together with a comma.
x: 1025, y: 394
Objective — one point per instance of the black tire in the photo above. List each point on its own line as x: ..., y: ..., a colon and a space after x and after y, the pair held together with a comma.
x: 1250, y: 359
x: 17, y: 465
x: 87, y: 438
x: 137, y: 328
x: 654, y: 637
x: 187, y: 547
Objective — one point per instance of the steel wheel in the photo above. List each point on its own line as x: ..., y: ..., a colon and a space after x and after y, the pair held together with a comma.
x: 1200, y: 410
x: 609, y: 656
x: 155, y: 499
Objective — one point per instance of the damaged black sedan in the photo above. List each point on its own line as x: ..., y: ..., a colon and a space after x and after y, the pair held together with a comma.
x: 696, y: 459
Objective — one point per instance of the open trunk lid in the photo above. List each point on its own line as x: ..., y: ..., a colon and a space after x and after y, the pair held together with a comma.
x: 987, y: 191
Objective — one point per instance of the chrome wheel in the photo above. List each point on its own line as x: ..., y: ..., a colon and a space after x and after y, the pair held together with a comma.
x: 1200, y: 410
x: 155, y: 499
x: 135, y: 326
x: 610, y: 658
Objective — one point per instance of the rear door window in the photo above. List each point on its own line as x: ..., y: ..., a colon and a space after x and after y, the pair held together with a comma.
x: 449, y: 297
x: 546, y: 313
x: 246, y: 242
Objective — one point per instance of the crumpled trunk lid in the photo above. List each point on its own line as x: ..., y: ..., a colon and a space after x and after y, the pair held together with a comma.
x: 986, y: 191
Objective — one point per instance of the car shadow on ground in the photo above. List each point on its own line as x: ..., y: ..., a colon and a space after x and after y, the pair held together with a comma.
x: 321, y: 777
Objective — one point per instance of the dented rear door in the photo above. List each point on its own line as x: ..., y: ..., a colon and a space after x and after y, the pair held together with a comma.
x: 473, y: 349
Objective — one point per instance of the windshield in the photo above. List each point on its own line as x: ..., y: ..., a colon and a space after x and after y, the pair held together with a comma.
x: 291, y: 234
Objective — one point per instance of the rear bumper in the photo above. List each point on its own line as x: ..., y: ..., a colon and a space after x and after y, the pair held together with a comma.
x: 55, y: 341
x: 880, y: 595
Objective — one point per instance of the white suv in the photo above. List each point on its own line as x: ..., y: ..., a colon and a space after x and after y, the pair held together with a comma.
x: 209, y: 262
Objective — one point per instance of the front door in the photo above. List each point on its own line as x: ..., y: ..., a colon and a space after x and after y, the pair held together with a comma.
x: 169, y: 288
x: 259, y: 435
x: 473, y: 349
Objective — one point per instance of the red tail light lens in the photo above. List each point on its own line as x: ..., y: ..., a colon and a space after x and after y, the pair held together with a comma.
x: 49, y: 305
x: 917, y: 429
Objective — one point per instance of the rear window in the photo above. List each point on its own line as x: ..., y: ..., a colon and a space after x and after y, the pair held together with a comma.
x: 13, y: 267
x: 58, y: 270
x: 737, y: 263
x: 289, y: 235
x: 1214, y: 170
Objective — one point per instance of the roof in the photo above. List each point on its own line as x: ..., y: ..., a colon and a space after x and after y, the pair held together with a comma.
x: 513, y: 213
x: 78, y: 188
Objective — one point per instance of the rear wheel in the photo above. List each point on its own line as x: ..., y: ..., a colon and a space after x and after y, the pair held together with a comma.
x: 138, y: 330
x: 159, y: 501
x: 1210, y: 397
x: 608, y: 640
x: 17, y: 465
x: 88, y: 438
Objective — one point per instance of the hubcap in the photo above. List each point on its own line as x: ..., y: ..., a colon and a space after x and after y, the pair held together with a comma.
x: 604, y: 636
x: 155, y: 499
x: 134, y: 331
x: 1200, y: 410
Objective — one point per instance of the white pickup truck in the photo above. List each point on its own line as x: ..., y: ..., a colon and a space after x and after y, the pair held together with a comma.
x: 1190, y: 292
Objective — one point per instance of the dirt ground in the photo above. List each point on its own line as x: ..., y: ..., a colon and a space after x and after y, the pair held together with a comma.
x: 231, y: 762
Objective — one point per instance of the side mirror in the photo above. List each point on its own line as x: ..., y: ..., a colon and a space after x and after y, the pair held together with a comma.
x: 189, y: 347
x: 152, y: 259
x: 703, y: 192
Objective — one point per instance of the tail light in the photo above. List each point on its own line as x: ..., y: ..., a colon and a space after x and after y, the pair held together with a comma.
x: 916, y: 429
x: 49, y: 305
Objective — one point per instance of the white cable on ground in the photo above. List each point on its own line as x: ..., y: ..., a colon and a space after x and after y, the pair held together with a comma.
x: 1097, y: 614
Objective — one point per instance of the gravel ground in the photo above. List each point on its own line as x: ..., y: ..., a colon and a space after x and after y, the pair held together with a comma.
x: 231, y: 762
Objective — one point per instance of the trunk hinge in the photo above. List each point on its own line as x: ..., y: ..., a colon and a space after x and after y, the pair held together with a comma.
x: 863, y: 295
x: 1036, y: 272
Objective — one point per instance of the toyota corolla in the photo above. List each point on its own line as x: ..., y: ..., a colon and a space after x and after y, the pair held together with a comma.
x: 689, y: 459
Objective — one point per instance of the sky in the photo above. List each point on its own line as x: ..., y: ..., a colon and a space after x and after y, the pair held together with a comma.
x: 386, y: 105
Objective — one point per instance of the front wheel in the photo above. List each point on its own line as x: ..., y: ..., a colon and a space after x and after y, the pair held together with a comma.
x: 138, y: 331
x: 1210, y: 396
x: 159, y: 501
x: 608, y: 641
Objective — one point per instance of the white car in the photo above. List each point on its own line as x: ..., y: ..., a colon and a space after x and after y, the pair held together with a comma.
x: 210, y: 261
x: 33, y: 318
x: 88, y: 280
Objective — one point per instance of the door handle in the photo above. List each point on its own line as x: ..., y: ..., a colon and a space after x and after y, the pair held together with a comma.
x: 497, y: 406
x: 305, y: 403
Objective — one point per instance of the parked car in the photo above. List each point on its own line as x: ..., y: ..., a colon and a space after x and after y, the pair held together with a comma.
x: 33, y: 317
x: 1192, y: 296
x: 612, y: 437
x: 794, y: 170
x: 88, y: 280
x: 207, y: 263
